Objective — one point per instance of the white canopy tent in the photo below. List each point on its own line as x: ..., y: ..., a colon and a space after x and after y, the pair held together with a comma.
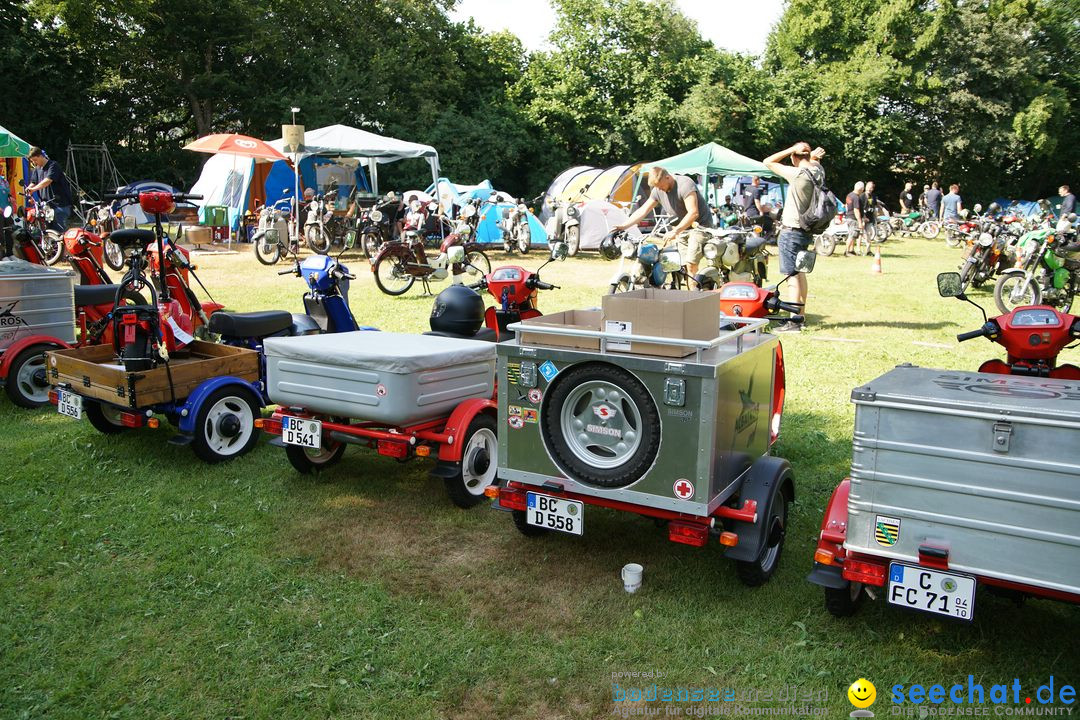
x: 342, y: 141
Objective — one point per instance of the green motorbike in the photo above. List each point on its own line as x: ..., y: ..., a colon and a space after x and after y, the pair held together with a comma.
x: 1047, y: 271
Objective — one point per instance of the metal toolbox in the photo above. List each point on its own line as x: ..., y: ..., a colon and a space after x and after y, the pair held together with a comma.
x: 675, y: 434
x: 384, y: 377
x: 983, y: 469
x: 35, y: 300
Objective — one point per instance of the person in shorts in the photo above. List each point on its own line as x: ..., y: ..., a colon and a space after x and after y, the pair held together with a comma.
x: 680, y: 197
x: 854, y: 206
x: 805, y: 170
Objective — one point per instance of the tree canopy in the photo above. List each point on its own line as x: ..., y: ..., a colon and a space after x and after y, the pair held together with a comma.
x: 981, y: 92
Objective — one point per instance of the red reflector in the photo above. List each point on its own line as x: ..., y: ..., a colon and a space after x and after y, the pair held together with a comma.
x: 272, y: 426
x: 688, y: 534
x: 54, y: 397
x: 131, y: 420
x: 389, y: 448
x: 513, y: 499
x: 864, y: 572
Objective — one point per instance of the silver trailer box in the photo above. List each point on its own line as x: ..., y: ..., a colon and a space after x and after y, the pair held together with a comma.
x: 986, y: 467
x: 671, y: 433
x: 381, y: 377
x: 35, y: 300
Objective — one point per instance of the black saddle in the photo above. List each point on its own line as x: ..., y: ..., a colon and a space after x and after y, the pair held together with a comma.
x: 250, y: 324
x: 95, y: 295
x: 132, y: 238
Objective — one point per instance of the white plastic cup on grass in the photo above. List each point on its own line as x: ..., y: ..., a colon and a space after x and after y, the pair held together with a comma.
x: 631, y: 577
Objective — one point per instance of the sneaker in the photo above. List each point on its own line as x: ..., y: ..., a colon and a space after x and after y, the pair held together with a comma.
x: 848, y: 253
x: 788, y: 327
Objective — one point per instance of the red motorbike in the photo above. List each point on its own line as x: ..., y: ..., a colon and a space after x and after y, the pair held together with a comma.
x: 515, y: 289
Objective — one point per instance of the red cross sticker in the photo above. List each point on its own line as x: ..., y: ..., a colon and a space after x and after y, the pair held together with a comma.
x: 684, y: 489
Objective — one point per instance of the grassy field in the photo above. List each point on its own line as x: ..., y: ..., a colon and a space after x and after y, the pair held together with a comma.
x: 136, y: 582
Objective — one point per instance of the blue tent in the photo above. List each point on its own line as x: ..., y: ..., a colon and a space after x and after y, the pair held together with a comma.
x: 488, y: 231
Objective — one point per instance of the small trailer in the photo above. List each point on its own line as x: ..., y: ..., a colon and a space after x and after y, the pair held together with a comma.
x: 958, y: 480
x: 684, y: 440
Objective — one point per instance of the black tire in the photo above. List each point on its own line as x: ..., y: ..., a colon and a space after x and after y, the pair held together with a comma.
x: 268, y: 253
x: 114, y: 256
x: 623, y: 450
x: 369, y: 245
x: 477, y: 258
x: 391, y: 276
x: 843, y: 602
x: 623, y: 284
x: 524, y: 239
x: 317, y: 240
x: 573, y: 240
x: 753, y: 573
x: 306, y: 460
x: 826, y: 244
x: 967, y: 272
x: 27, y: 383
x: 52, y: 247
x: 225, y: 425
x: 1003, y: 289
x: 104, y: 418
x: 524, y: 527
x: 479, y: 463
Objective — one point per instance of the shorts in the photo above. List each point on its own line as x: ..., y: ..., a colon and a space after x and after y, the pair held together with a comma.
x: 691, y: 245
x: 791, y: 242
x: 853, y: 227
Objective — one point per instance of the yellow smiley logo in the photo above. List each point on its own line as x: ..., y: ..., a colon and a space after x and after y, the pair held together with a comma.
x: 862, y: 693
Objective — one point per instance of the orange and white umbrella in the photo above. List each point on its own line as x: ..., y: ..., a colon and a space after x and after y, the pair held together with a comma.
x: 235, y: 144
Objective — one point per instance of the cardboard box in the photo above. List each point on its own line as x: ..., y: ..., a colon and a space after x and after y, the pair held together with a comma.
x: 578, y: 319
x: 661, y: 313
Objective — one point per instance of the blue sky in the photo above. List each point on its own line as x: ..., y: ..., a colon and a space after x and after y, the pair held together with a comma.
x: 736, y: 25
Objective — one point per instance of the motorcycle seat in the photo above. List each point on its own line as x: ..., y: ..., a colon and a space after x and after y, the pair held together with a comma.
x: 95, y: 295
x: 129, y: 238
x: 753, y: 243
x: 250, y: 324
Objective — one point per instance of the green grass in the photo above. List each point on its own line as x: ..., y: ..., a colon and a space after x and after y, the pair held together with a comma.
x: 137, y: 582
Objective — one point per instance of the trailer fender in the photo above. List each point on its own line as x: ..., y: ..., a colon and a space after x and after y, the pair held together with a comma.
x: 768, y: 478
x: 457, y: 425
x: 48, y: 341
x: 831, y: 539
x: 189, y: 408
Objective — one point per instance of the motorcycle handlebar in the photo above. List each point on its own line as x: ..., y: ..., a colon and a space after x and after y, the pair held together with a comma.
x: 790, y: 307
x: 541, y: 285
x: 290, y: 271
x: 964, y: 337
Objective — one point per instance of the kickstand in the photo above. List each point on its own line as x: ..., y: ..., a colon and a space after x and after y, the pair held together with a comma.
x: 427, y: 286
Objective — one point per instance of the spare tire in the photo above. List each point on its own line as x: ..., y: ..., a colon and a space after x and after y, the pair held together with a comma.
x: 600, y: 425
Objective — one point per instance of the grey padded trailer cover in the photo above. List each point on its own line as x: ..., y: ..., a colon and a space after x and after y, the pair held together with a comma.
x: 392, y: 378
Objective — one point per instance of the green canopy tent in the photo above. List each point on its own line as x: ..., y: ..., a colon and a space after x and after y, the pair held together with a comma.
x: 708, y: 160
x: 11, y: 145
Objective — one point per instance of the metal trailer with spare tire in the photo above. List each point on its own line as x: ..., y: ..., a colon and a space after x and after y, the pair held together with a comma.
x: 683, y: 440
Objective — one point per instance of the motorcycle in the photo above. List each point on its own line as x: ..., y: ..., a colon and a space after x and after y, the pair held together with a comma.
x: 514, y: 225
x: 985, y: 254
x: 733, y: 254
x: 913, y: 224
x: 564, y: 225
x: 957, y: 231
x: 101, y: 220
x: 322, y: 228
x: 36, y: 217
x: 272, y: 239
x: 376, y: 226
x: 745, y: 299
x: 651, y: 265
x: 400, y: 263
x: 836, y: 234
x: 1047, y: 270
x: 1033, y: 336
x: 515, y: 289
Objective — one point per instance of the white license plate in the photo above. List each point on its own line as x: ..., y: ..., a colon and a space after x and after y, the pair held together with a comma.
x: 69, y: 404
x: 555, y: 513
x: 298, y: 431
x: 932, y: 591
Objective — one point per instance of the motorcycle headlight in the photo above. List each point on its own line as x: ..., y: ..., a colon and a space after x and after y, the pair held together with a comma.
x: 522, y: 208
x: 710, y: 251
x: 627, y: 249
x: 670, y: 260
x: 376, y: 216
x: 463, y: 229
x: 986, y: 239
x: 572, y: 211
x: 468, y: 211
x: 49, y: 214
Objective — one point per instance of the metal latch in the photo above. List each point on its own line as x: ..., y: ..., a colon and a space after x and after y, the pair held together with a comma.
x: 675, y: 392
x: 1002, y: 436
x: 527, y: 374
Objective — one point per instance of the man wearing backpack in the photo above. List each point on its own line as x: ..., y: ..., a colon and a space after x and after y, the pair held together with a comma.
x: 804, y: 175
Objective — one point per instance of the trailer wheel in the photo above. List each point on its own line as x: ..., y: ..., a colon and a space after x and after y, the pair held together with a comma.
x: 308, y: 460
x: 524, y: 527
x: 478, y: 463
x: 600, y: 424
x: 753, y: 573
x: 104, y: 418
x: 225, y: 425
x: 27, y: 381
x: 843, y: 602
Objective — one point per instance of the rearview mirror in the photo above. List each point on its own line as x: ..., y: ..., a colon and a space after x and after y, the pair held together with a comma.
x: 559, y: 251
x: 456, y: 254
x: 949, y: 285
x: 805, y: 261
x: 978, y: 208
x: 129, y: 221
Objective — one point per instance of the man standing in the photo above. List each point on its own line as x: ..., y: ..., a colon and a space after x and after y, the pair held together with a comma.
x: 933, y: 201
x: 1068, y: 202
x: 805, y: 170
x: 923, y: 202
x: 751, y: 198
x: 907, y: 199
x: 47, y: 179
x: 870, y: 212
x: 952, y: 204
x: 680, y: 197
x: 853, y: 215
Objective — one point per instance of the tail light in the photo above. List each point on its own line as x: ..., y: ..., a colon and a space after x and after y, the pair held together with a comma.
x: 869, y: 573
x: 54, y: 397
x: 688, y: 533
x: 729, y: 539
x: 393, y: 449
x: 512, y: 498
x: 270, y: 425
x: 131, y: 420
x: 824, y: 557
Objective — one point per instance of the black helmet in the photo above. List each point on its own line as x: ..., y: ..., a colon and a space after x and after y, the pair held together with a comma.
x: 609, y: 249
x: 458, y: 311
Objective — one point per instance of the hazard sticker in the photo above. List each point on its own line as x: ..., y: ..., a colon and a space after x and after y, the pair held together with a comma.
x: 529, y: 415
x: 535, y: 396
x: 684, y: 489
x: 515, y: 422
x: 548, y: 370
x: 381, y: 390
x: 513, y: 410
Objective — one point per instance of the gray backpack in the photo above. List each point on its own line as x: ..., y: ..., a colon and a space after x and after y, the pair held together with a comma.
x: 822, y: 207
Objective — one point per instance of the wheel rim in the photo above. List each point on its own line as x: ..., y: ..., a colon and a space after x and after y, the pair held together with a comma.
x: 1022, y: 292
x: 32, y: 380
x: 51, y: 246
x: 777, y: 530
x: 479, y: 260
x: 601, y: 424
x: 392, y: 274
x: 478, y: 466
x: 110, y: 414
x: 114, y: 255
x: 229, y: 424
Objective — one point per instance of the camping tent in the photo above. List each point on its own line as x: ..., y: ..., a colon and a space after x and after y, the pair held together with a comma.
x: 557, y: 187
x: 487, y: 230
x: 710, y: 159
x: 615, y: 184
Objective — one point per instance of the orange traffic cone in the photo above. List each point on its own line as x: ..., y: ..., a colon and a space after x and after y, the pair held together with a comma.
x: 876, y: 267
